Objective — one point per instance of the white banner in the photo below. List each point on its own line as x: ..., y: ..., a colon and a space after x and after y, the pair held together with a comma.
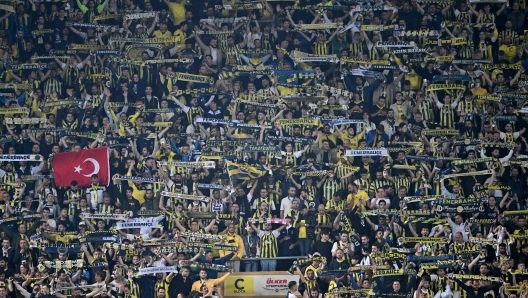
x: 184, y: 196
x: 259, y: 285
x: 215, y: 120
x: 21, y: 157
x: 105, y: 216
x: 137, y: 225
x: 344, y: 122
x: 188, y: 164
x: 366, y: 152
x: 395, y: 44
x: 154, y: 270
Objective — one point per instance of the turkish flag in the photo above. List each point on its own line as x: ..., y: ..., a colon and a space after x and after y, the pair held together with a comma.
x: 80, y: 166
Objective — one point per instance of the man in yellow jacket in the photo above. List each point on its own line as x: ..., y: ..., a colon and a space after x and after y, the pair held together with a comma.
x: 233, y: 239
x: 208, y: 282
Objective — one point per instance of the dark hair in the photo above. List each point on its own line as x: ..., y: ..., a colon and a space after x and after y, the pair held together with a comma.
x: 292, y: 284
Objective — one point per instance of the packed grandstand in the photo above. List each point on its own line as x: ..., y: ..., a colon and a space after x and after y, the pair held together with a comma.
x: 313, y: 149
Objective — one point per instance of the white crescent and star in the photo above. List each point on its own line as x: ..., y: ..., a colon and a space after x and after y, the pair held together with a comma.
x: 78, y: 168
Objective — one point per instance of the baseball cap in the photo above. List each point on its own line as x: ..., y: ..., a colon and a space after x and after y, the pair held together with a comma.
x: 139, y: 26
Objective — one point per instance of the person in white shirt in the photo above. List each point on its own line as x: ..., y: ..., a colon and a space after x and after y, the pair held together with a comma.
x: 137, y: 236
x: 457, y: 226
x: 292, y: 288
x: 286, y: 202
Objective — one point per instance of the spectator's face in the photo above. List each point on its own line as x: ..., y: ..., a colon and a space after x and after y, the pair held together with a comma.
x: 364, y: 240
x: 339, y: 254
x: 295, y: 205
x: 213, y: 43
x: 396, y: 286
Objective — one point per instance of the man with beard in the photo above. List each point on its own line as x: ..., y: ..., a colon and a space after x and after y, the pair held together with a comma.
x: 339, y: 263
x: 266, y: 89
x: 209, y: 282
x: 162, y: 283
x: 161, y: 292
x: 241, y: 200
x: 8, y: 176
x: 268, y: 245
x: 497, y: 162
x: 389, y: 124
x: 212, y: 49
x: 264, y: 198
x: 510, y: 136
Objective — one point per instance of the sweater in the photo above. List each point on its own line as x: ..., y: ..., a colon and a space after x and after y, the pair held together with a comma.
x: 208, y: 283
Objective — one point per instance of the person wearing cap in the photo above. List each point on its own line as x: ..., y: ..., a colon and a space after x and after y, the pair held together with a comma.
x: 162, y: 32
x: 82, y: 227
x: 315, y: 266
x: 140, y: 33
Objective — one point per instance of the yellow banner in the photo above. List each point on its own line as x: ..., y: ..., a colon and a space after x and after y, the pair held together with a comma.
x: 304, y: 121
x: 436, y: 87
x: 192, y: 78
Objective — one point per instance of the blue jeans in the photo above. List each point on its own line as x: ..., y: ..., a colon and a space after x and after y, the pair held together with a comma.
x: 305, y: 245
x: 72, y: 219
x: 268, y: 265
x: 251, y: 266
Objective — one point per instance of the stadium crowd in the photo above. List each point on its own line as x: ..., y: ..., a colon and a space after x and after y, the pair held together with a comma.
x: 377, y: 149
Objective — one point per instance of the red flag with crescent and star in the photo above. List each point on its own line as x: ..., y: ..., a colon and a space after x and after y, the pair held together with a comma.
x: 80, y: 166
